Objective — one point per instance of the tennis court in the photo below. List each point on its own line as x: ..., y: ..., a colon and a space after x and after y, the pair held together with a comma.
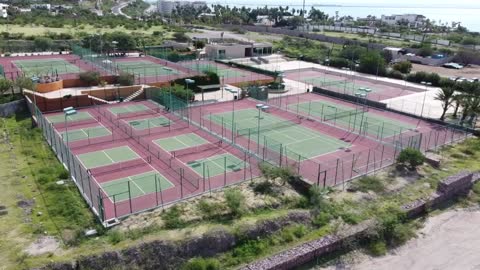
x: 131, y: 108
x: 60, y: 118
x: 279, y: 134
x: 107, y: 157
x: 346, y: 85
x: 143, y: 124
x: 217, y: 165
x: 85, y: 133
x: 46, y: 66
x: 135, y: 186
x: 222, y: 71
x: 353, y: 118
x: 178, y: 142
x: 145, y: 68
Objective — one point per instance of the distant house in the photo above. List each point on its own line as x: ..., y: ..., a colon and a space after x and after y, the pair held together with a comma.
x: 237, y: 50
x: 263, y: 20
x: 411, y: 20
x: 3, y: 10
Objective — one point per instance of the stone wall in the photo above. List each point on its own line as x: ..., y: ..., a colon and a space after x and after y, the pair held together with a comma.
x: 167, y: 255
x: 11, y: 108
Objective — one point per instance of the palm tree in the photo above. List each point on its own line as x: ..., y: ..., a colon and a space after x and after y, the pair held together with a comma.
x: 446, y: 96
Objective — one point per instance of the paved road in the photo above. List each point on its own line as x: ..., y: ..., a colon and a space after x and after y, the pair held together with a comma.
x: 117, y: 9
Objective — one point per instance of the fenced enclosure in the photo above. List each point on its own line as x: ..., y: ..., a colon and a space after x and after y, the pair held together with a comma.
x: 121, y: 165
x: 358, y: 156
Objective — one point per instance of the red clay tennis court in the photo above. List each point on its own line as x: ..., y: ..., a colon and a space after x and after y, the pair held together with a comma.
x: 141, y: 158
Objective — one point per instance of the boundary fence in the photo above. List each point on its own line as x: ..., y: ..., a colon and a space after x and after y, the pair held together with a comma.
x: 109, y: 207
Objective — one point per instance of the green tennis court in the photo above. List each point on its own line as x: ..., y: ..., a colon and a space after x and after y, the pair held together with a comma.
x: 145, y: 68
x: 107, y: 157
x: 373, y: 124
x: 136, y: 185
x: 46, y: 66
x: 343, y: 85
x: 60, y: 118
x: 217, y: 165
x: 149, y: 123
x: 278, y: 134
x: 222, y: 71
x: 85, y: 133
x: 131, y: 108
x: 180, y: 142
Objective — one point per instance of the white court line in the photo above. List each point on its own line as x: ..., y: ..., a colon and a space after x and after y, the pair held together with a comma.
x: 131, y: 180
x: 113, y: 162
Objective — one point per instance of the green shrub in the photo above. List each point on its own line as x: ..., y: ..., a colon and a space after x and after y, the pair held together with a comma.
x: 173, y: 218
x: 395, y: 74
x: 377, y: 248
x: 235, y: 201
x: 202, y: 264
x: 90, y: 77
x: 404, y: 67
x: 126, y: 79
x: 401, y: 234
x: 367, y: 183
x: 264, y: 187
x: 115, y: 237
x: 476, y: 188
x: 411, y: 157
x: 63, y: 174
x: 208, y: 209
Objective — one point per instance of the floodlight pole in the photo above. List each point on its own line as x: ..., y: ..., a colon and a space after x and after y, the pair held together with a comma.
x: 258, y: 130
x: 68, y: 111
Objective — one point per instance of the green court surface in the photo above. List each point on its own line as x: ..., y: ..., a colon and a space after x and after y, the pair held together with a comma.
x: 136, y: 185
x: 128, y: 109
x: 46, y: 66
x: 373, y: 124
x: 222, y: 71
x: 217, y: 165
x: 341, y: 84
x: 145, y: 68
x: 180, y: 142
x: 60, y: 118
x: 142, y: 124
x: 85, y: 133
x: 107, y: 157
x: 287, y: 137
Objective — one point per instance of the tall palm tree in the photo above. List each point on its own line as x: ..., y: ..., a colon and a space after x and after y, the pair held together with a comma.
x: 446, y: 96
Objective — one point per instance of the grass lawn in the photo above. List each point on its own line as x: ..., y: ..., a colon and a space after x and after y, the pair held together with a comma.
x: 30, y: 30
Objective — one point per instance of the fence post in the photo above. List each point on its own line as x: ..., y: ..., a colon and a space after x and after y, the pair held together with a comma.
x: 156, y: 190
x: 181, y: 183
x: 353, y: 164
x: 336, y: 172
x: 225, y: 171
x: 114, y: 205
x: 368, y: 162
x: 129, y: 196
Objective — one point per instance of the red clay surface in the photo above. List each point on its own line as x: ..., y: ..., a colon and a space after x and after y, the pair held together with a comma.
x: 381, y: 90
x: 151, y: 158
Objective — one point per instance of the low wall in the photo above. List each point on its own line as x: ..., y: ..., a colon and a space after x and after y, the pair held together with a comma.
x: 113, y: 93
x: 11, y: 108
x: 49, y: 87
x: 448, y: 189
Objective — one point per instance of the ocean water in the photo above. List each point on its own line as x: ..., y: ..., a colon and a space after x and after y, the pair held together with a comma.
x: 468, y: 15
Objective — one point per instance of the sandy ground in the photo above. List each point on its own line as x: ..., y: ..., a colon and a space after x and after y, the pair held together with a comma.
x: 450, y: 241
x: 467, y: 72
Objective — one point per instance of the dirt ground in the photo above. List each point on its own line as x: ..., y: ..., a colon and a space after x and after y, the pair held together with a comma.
x: 469, y: 72
x: 449, y: 240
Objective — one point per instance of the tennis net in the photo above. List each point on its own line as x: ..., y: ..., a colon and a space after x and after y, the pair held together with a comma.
x: 262, y: 128
x: 342, y: 114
